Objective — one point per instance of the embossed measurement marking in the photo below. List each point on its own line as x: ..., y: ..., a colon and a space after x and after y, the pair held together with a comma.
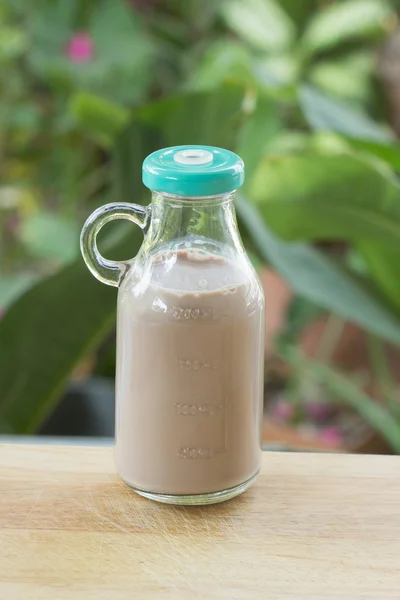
x: 186, y: 314
x: 186, y: 364
x: 190, y: 410
x: 194, y: 453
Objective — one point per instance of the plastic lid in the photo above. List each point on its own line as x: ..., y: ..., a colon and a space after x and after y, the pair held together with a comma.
x: 193, y: 171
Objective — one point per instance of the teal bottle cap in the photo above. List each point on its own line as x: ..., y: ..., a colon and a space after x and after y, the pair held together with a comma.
x: 193, y: 171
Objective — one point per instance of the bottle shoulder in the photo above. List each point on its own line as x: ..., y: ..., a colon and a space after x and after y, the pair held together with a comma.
x: 195, y: 282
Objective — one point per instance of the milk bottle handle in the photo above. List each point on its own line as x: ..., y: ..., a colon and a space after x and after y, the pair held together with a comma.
x: 107, y: 271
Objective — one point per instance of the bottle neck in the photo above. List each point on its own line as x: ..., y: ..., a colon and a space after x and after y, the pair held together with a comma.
x: 207, y: 223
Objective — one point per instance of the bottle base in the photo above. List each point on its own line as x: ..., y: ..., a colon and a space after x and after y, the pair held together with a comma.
x: 197, y: 499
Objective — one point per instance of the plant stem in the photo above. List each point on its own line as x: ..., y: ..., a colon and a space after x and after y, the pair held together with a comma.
x: 330, y: 338
x: 344, y: 389
x: 383, y: 373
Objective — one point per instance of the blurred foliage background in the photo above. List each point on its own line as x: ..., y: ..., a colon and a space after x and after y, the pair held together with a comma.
x: 307, y: 92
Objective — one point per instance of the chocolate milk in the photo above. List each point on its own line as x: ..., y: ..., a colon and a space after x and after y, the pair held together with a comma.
x: 189, y: 375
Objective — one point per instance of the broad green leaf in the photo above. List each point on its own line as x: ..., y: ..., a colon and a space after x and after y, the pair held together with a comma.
x: 69, y: 12
x: 209, y: 118
x: 223, y: 62
x: 261, y: 23
x: 383, y: 264
x: 299, y: 12
x: 50, y: 24
x: 99, y: 117
x: 277, y: 71
x: 346, y: 78
x: 13, y: 286
x: 49, y: 30
x: 47, y: 235
x: 388, y: 153
x: 313, y: 276
x: 342, y: 21
x: 356, y: 263
x: 287, y: 142
x: 123, y: 66
x: 13, y: 43
x: 327, y: 143
x: 45, y: 333
x: 131, y: 147
x: 119, y: 34
x: 315, y: 196
x: 257, y: 133
x: 324, y: 113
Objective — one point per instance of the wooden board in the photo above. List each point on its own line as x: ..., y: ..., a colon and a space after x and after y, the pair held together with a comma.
x: 312, y: 527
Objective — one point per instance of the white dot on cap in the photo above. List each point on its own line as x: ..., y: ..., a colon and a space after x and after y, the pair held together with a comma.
x: 193, y: 156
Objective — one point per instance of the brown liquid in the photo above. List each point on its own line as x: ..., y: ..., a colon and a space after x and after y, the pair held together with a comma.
x: 189, y: 376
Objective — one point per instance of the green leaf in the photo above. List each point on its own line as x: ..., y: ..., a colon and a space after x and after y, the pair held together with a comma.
x: 383, y: 375
x: 47, y: 235
x: 299, y: 12
x: 287, y: 142
x: 342, y: 21
x: 224, y: 61
x: 326, y: 114
x: 383, y: 265
x: 49, y: 30
x: 131, y: 147
x: 99, y: 117
x: 13, y: 43
x: 209, y: 118
x: 257, y: 133
x: 313, y: 276
x: 348, y: 78
x: 277, y: 71
x: 119, y: 34
x: 314, y: 196
x: 261, y: 23
x: 389, y: 154
x: 13, y: 286
x: 122, y: 68
x: 45, y: 333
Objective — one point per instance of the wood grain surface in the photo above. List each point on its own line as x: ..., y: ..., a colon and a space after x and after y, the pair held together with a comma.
x: 312, y: 527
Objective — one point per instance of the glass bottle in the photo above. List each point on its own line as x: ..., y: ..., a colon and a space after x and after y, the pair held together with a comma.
x: 190, y: 333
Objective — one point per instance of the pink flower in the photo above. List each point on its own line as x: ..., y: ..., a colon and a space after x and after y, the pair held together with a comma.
x: 283, y: 410
x: 80, y: 48
x: 331, y: 436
